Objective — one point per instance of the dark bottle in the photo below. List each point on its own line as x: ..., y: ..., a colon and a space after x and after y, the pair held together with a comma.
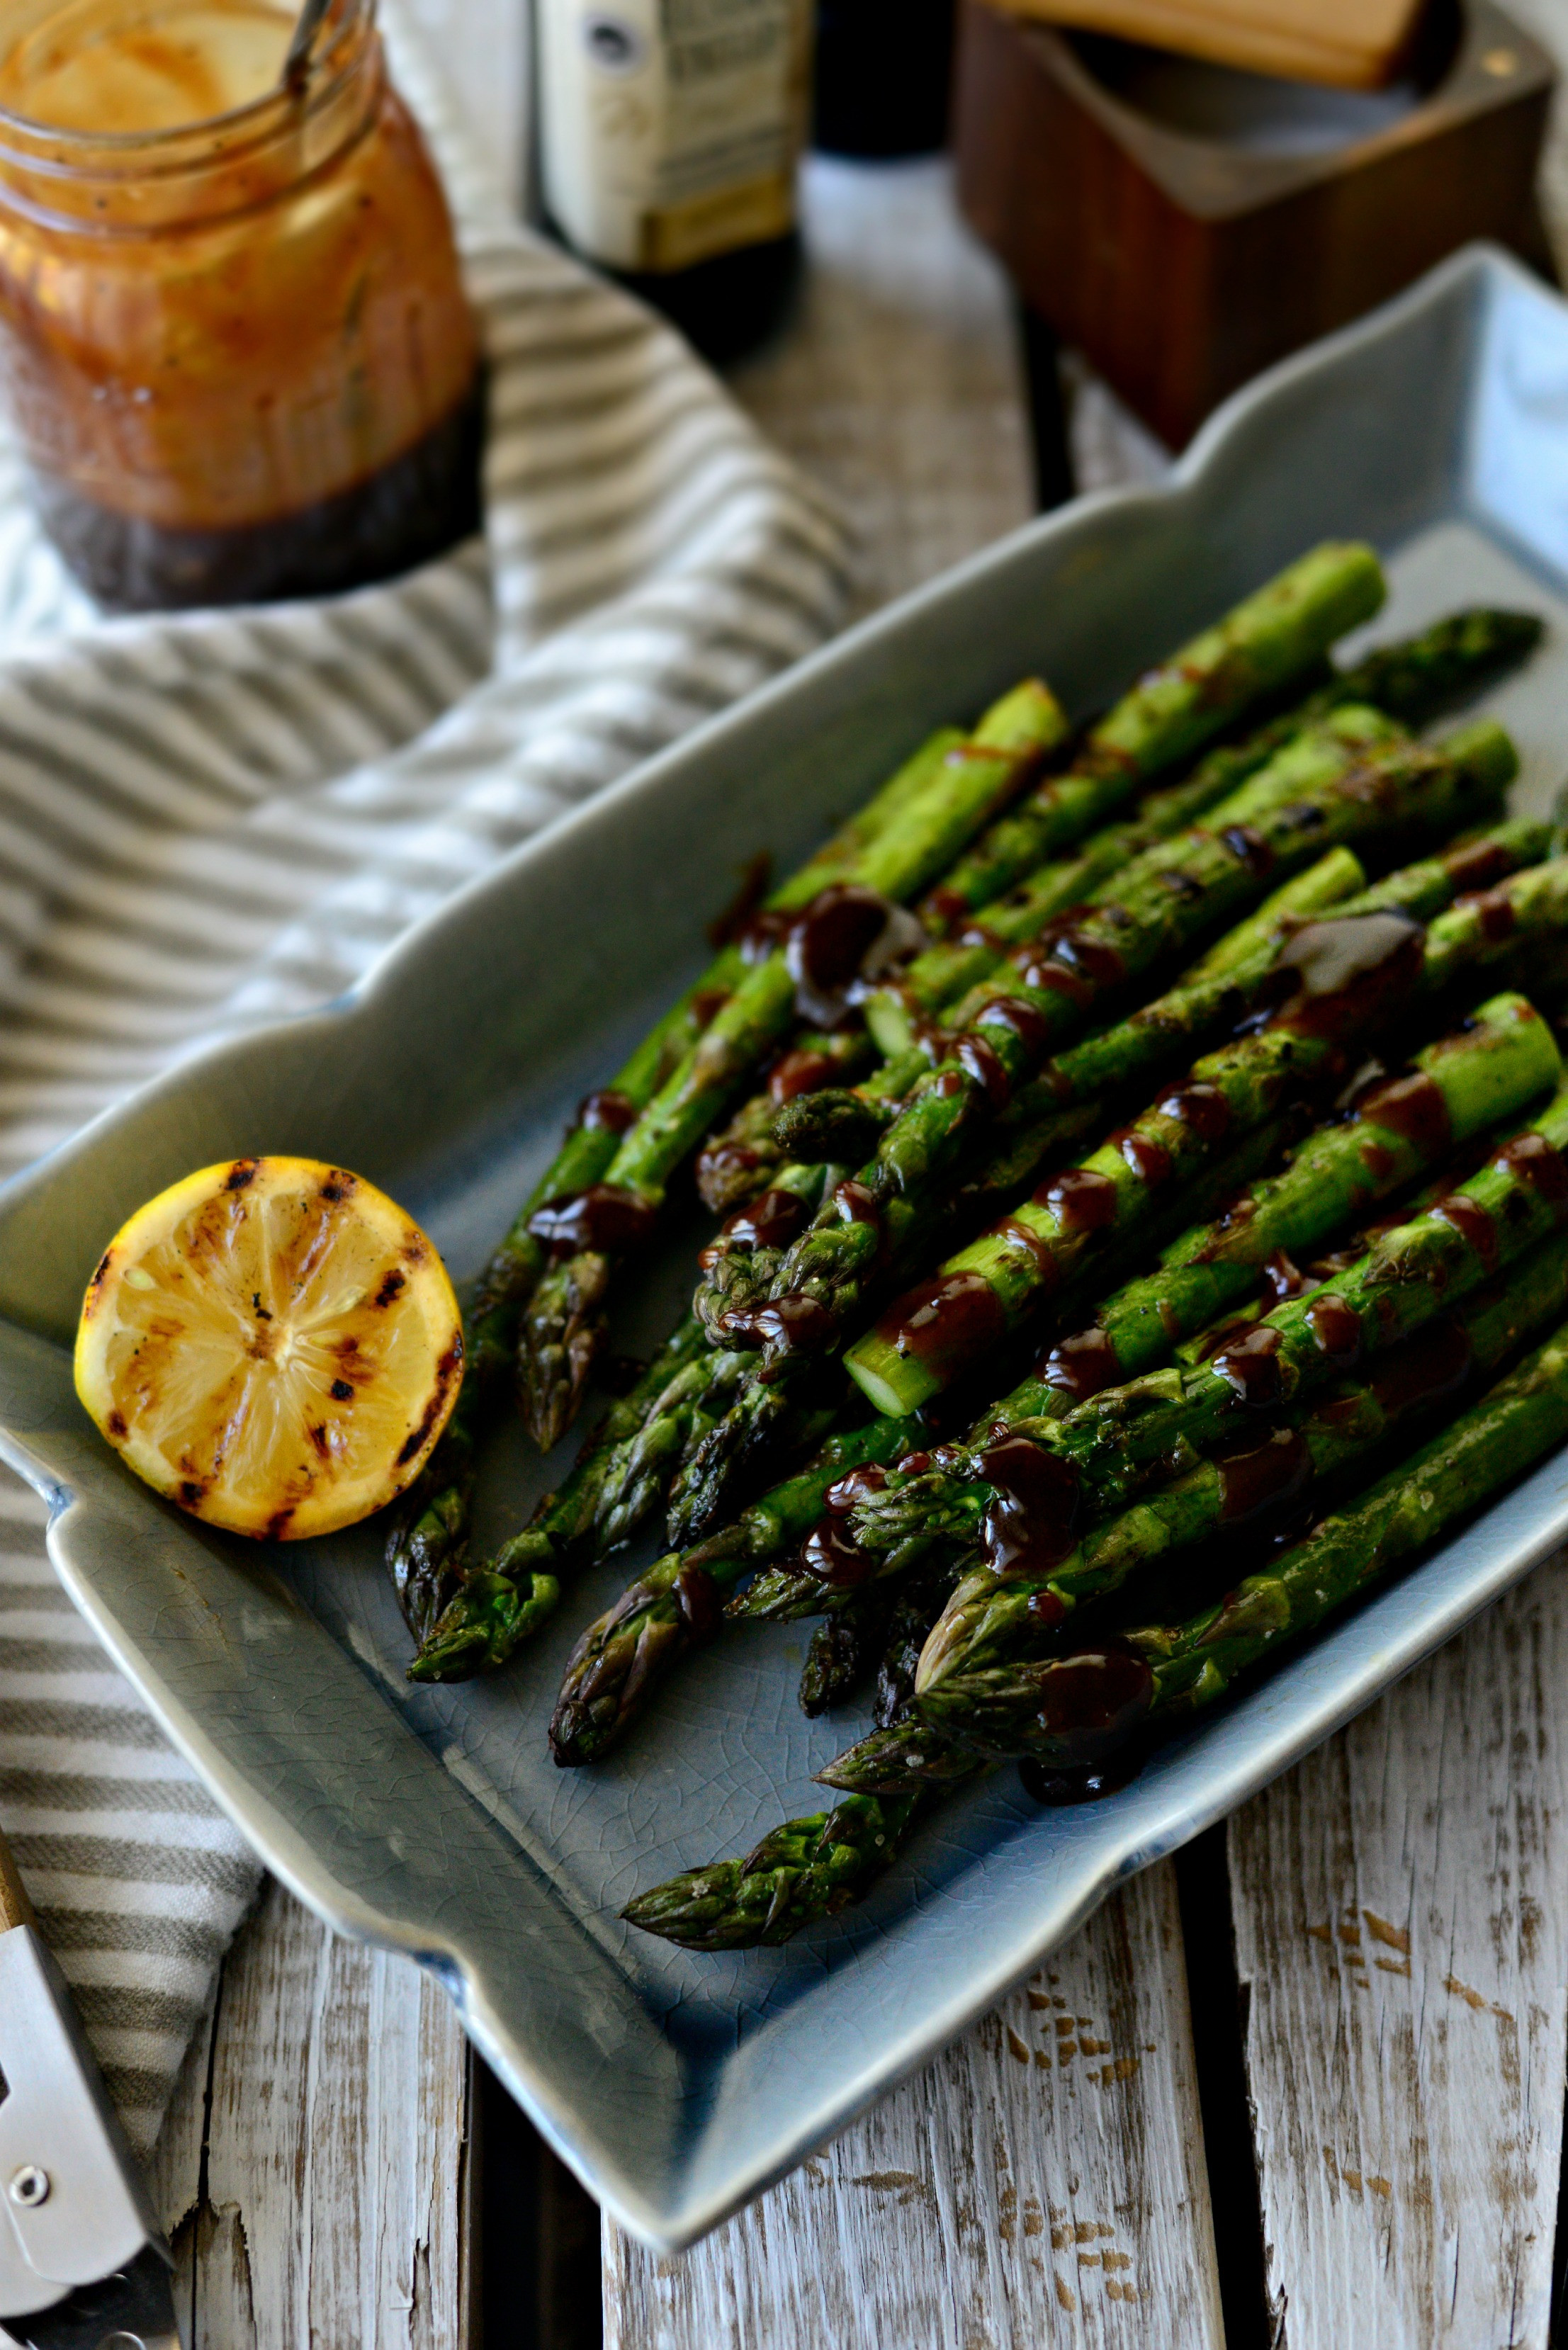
x: 670, y: 133
x: 882, y: 75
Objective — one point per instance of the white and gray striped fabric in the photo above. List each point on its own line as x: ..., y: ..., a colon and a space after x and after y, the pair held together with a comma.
x: 210, y: 819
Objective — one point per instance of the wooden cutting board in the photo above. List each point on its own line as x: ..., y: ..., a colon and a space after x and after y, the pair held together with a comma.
x: 1356, y: 44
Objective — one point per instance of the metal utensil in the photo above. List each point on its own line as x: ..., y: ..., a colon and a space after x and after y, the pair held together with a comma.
x: 82, y: 2263
x: 302, y: 41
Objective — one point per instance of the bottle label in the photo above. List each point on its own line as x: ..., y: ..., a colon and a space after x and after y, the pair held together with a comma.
x: 670, y: 128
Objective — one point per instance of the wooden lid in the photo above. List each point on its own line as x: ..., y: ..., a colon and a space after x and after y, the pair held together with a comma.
x: 1354, y: 44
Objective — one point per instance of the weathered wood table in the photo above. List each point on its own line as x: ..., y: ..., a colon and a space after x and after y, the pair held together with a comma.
x: 1305, y: 2084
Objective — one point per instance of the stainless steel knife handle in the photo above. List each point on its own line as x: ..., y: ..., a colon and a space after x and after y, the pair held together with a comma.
x: 82, y: 2262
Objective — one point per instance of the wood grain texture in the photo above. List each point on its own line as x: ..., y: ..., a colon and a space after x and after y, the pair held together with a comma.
x: 1402, y: 1936
x: 897, y: 381
x: 313, y: 2174
x: 1043, y: 2181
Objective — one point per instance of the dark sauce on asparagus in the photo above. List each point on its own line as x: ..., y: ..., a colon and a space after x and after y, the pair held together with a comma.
x: 1250, y: 1363
x: 804, y: 1071
x: 1493, y: 909
x: 1263, y: 1476
x: 607, y: 1112
x: 1081, y: 1200
x: 982, y: 1063
x: 1150, y: 1159
x: 1473, y: 1224
x: 832, y: 1555
x: 1031, y: 1524
x: 1084, y: 1364
x: 947, y: 1319
x: 606, y: 1217
x: 1201, y: 1107
x: 1089, y: 1707
x: 1478, y: 865
x: 1414, y: 1108
x: 1030, y: 1026
x: 1532, y: 1160
x: 1336, y: 1328
x: 771, y: 1222
x: 1347, y: 971
x: 784, y: 1325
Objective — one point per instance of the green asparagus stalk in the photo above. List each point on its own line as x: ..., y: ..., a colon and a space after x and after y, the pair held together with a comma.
x: 639, y: 1470
x: 1411, y: 681
x: 1462, y: 1083
x: 1042, y: 1123
x: 428, y: 1544
x: 1208, y: 876
x: 992, y: 1620
x: 802, y: 1871
x: 737, y: 1164
x: 903, y: 1015
x: 844, y: 1651
x: 625, y: 1653
x: 1074, y: 1711
x: 563, y: 1325
x: 1169, y: 714
x: 524, y: 1582
x: 1089, y: 1464
x: 748, y: 1434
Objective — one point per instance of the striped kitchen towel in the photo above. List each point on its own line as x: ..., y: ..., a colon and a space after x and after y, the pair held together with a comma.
x: 209, y: 819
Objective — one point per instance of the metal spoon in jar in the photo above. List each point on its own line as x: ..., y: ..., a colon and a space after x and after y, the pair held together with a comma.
x: 296, y: 62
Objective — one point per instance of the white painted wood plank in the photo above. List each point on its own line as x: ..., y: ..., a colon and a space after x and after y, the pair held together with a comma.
x: 1402, y: 1939
x: 320, y: 2202
x: 1043, y: 2181
x: 897, y: 381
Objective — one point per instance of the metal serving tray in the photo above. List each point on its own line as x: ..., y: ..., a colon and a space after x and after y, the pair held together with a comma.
x: 432, y: 1820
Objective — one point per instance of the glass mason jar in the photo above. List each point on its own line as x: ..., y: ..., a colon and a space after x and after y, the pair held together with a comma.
x: 234, y: 341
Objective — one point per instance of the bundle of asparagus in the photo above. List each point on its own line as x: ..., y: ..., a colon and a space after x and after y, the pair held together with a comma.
x: 1148, y: 1214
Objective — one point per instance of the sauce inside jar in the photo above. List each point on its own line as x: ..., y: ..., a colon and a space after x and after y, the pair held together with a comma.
x: 233, y: 333
x: 122, y: 71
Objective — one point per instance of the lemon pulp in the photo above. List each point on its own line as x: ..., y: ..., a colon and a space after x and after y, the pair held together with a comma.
x: 272, y: 1344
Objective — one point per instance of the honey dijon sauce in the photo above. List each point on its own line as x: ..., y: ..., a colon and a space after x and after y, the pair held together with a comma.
x: 232, y: 332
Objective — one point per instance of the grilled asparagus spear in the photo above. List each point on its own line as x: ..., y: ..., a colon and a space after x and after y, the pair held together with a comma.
x: 1073, y: 1713
x: 588, y: 1228
x: 992, y: 1621
x: 622, y: 1656
x: 429, y: 1540
x: 1170, y: 714
x: 1208, y: 876
x: 1089, y: 1464
x: 1024, y: 1262
x: 1076, y: 1711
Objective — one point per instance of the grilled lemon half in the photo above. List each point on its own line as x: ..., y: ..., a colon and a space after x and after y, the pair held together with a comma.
x: 274, y: 1345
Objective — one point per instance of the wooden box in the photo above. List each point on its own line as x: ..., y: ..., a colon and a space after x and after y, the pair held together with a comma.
x: 1185, y: 226
x: 1359, y: 44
